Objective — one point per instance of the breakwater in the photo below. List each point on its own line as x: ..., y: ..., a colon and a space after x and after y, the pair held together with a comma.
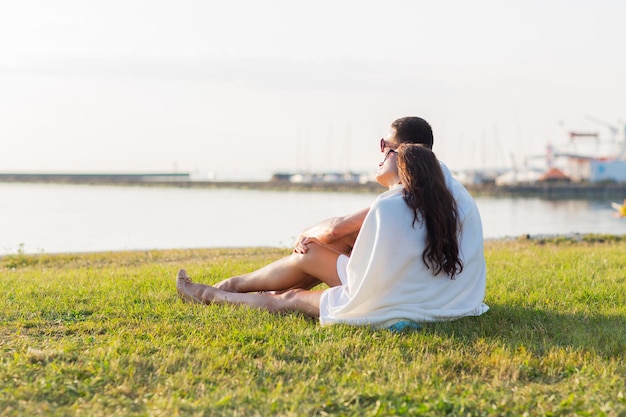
x: 547, y: 190
x: 95, y: 178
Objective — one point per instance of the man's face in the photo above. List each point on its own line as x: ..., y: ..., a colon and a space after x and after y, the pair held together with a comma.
x: 387, y: 174
x: 389, y: 141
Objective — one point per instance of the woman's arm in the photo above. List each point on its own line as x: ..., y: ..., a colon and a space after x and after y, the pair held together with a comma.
x: 339, y: 233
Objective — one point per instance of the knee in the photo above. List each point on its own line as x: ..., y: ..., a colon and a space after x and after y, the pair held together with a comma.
x: 313, y: 249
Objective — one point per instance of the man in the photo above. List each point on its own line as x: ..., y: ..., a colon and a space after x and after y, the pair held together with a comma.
x: 341, y: 232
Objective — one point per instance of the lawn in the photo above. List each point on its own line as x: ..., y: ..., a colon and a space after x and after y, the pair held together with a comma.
x: 106, y: 335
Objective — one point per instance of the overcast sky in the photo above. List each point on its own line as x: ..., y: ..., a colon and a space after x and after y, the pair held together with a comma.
x: 242, y: 88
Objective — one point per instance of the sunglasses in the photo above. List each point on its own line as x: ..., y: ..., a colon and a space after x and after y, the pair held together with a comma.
x: 384, y: 145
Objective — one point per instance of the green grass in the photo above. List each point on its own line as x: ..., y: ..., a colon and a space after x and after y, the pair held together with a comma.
x: 106, y: 335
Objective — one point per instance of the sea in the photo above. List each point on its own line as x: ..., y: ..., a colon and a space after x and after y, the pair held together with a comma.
x: 59, y: 218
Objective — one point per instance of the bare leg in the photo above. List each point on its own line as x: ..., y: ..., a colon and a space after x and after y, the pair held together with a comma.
x: 319, y: 264
x: 305, y: 301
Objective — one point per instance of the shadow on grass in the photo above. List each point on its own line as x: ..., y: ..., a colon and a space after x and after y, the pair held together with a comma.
x: 539, y: 331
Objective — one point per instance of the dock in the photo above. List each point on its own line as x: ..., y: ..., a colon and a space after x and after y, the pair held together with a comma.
x: 546, y: 190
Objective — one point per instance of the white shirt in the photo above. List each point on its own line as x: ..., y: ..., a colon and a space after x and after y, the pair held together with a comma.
x: 387, y: 280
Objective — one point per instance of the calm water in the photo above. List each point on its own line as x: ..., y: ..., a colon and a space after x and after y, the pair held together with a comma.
x: 73, y: 218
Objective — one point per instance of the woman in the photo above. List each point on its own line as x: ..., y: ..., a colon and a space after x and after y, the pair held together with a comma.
x: 408, y: 262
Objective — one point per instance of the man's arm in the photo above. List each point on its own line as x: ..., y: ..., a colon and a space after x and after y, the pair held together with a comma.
x: 338, y: 233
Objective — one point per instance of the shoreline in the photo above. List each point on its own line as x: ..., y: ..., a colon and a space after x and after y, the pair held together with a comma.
x: 547, y: 190
x: 541, y: 239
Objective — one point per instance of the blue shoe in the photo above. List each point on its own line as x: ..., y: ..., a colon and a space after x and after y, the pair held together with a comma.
x: 403, y: 326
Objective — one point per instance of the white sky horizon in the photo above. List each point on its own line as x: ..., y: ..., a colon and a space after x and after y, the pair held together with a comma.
x: 242, y: 87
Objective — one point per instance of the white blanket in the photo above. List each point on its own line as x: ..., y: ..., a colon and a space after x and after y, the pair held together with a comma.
x: 387, y: 280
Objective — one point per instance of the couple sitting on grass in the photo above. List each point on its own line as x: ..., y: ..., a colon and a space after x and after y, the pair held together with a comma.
x: 414, y: 256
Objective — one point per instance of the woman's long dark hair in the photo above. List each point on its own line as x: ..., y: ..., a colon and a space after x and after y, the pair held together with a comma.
x: 425, y: 192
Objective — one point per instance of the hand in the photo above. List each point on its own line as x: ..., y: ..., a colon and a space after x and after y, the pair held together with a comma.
x: 302, y: 244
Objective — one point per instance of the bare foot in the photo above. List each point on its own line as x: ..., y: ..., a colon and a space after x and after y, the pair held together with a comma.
x: 181, y: 287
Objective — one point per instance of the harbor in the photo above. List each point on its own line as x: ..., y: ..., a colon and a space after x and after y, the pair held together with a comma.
x: 542, y: 189
x: 589, y: 164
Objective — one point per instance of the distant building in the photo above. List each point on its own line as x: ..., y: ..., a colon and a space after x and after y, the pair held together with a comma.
x: 527, y: 176
x: 554, y: 175
x: 600, y: 171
